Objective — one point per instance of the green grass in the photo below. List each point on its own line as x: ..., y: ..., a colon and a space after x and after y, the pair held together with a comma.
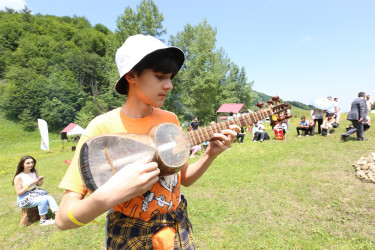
x: 300, y: 193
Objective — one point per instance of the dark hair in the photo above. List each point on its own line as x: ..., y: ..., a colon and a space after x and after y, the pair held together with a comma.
x: 360, y: 94
x: 231, y: 113
x: 303, y: 117
x: 163, y: 61
x: 20, y: 166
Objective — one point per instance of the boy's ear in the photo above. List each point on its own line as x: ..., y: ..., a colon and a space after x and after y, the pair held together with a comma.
x: 130, y: 76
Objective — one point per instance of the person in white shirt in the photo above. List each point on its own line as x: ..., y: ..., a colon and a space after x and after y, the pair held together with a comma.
x: 334, y: 107
x: 25, y: 182
x: 258, y: 132
x: 369, y: 103
x: 367, y: 124
x: 230, y: 117
x: 281, y: 126
x: 317, y: 115
x: 337, y: 109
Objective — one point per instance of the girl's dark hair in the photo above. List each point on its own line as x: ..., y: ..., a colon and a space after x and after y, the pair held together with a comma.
x: 164, y: 61
x: 20, y: 166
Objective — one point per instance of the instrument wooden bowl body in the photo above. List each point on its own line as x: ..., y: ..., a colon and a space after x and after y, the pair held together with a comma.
x: 173, y: 147
x: 103, y: 156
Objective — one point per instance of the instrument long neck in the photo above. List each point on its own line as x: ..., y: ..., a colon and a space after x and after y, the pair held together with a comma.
x: 207, y: 133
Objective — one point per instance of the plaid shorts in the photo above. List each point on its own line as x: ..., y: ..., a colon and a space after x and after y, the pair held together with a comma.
x: 125, y: 232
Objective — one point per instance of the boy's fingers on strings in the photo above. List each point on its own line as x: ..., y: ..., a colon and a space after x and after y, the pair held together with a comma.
x: 235, y: 128
x: 222, y: 140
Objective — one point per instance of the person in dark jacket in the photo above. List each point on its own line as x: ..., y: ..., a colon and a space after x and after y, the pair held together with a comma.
x: 357, y: 116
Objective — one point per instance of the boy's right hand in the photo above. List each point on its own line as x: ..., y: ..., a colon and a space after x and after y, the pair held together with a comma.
x: 131, y: 181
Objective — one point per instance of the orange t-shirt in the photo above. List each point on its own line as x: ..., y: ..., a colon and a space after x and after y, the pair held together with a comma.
x: 163, y: 197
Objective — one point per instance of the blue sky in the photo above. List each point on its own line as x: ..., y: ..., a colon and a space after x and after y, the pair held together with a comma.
x: 299, y: 50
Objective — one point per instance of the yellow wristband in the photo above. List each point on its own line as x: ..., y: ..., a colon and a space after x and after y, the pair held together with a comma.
x: 71, y: 217
x: 27, y: 188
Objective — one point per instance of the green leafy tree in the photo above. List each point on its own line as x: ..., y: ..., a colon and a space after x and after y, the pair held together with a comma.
x: 10, y: 30
x: 145, y: 20
x: 235, y: 88
x: 196, y: 86
x: 62, y: 69
x: 56, y: 113
x: 62, y: 58
x: 150, y: 19
x: 25, y: 90
x: 27, y: 119
x: 208, y: 78
x: 87, y: 113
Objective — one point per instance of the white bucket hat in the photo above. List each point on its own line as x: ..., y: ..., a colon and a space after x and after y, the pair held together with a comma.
x: 134, y: 50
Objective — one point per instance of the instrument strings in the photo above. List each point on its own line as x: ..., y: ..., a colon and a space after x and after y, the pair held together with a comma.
x: 207, y: 133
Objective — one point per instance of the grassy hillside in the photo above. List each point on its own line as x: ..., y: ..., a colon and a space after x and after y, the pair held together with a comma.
x: 16, y: 141
x: 300, y: 193
x: 261, y: 97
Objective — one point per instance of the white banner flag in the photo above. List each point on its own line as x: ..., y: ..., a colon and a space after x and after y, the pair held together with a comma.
x: 43, y: 130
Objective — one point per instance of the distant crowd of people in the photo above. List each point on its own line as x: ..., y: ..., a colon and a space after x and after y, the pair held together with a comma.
x: 324, y: 120
x: 328, y: 120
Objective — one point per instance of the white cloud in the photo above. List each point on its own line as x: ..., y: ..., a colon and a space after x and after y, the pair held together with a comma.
x: 12, y: 4
x: 305, y: 39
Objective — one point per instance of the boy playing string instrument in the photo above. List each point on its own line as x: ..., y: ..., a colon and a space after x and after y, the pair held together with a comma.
x: 138, y: 220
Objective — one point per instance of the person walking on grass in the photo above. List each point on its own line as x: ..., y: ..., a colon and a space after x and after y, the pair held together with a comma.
x: 146, y: 67
x: 357, y: 116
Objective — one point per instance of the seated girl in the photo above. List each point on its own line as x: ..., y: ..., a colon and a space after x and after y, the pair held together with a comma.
x: 25, y: 182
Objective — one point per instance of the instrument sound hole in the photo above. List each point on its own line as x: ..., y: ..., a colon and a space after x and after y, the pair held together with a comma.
x: 172, y: 145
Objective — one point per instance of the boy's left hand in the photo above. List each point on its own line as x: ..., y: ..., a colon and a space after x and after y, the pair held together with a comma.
x: 222, y: 141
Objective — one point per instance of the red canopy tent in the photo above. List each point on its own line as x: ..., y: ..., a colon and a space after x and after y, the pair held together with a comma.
x: 231, y: 107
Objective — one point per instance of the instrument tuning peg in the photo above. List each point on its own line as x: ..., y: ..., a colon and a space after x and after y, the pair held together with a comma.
x: 273, y: 123
x: 288, y: 116
x: 281, y: 118
x: 276, y: 99
x: 269, y: 104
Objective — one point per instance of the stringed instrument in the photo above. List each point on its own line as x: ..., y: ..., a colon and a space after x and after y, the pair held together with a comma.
x: 102, y: 156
